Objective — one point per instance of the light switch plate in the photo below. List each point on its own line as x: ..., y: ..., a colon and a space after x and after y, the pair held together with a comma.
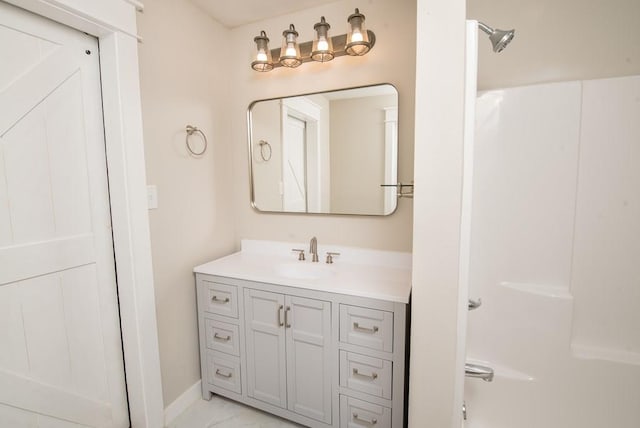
x: 152, y: 197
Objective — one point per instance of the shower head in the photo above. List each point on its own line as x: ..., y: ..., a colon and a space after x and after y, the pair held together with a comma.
x: 499, y: 38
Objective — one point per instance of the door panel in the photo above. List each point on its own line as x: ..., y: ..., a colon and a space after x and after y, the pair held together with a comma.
x: 266, y: 363
x: 60, y: 345
x: 309, y: 357
x: 294, y: 165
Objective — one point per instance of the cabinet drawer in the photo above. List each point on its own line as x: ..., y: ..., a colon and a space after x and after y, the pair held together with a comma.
x: 370, y: 328
x: 223, y: 337
x: 366, y: 374
x: 357, y: 413
x: 221, y: 299
x: 223, y: 371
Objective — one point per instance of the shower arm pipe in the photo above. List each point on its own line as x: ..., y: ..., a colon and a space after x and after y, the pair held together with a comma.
x: 484, y: 27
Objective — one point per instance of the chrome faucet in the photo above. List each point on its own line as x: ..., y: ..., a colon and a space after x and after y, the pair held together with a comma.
x: 313, y: 249
x: 475, y: 370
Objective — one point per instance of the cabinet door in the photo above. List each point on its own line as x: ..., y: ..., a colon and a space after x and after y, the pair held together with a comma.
x: 265, y: 335
x: 309, y: 360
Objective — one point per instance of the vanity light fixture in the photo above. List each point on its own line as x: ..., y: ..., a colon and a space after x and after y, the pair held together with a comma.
x: 357, y: 42
x: 291, y: 57
x: 322, y: 50
x: 357, y: 38
x: 263, y: 60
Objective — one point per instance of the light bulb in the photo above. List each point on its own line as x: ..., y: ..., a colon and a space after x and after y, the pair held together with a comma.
x: 261, y: 56
x: 291, y: 51
x: 356, y: 36
x: 323, y: 45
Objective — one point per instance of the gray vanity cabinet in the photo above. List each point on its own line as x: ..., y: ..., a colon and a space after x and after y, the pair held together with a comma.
x: 321, y: 359
x: 288, y: 352
x: 266, y: 348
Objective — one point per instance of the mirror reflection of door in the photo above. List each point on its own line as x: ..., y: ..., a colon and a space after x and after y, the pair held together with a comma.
x: 302, y: 165
x: 294, y: 197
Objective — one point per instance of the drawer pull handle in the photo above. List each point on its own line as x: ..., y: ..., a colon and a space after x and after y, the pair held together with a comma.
x: 219, y: 373
x: 216, y: 300
x: 356, y: 326
x: 217, y: 336
x: 280, y: 323
x: 372, y: 421
x: 373, y: 375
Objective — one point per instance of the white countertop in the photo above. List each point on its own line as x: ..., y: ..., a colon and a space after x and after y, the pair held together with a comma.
x: 384, y: 275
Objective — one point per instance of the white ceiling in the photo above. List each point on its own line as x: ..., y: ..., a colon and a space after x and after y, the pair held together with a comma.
x: 235, y: 13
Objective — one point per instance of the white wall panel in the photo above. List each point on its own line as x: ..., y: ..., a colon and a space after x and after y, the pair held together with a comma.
x: 606, y: 278
x: 524, y: 184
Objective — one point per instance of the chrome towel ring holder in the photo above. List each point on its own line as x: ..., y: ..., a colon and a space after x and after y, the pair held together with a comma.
x: 193, y: 130
x: 264, y: 157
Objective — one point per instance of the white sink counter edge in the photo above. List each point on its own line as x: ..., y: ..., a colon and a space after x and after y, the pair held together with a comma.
x: 383, y: 275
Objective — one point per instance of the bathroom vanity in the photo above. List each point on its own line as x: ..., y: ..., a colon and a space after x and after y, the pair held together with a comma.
x: 323, y: 345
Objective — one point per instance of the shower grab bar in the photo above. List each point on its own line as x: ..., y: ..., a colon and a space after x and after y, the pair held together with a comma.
x: 475, y: 370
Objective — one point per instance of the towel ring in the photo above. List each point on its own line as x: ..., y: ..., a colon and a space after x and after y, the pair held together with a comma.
x: 262, y: 155
x: 190, y: 131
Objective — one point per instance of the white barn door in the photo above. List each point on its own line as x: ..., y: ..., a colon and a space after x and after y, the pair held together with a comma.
x: 61, y: 362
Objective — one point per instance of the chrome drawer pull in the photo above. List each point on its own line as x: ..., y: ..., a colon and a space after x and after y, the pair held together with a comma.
x: 215, y: 299
x: 373, y: 375
x: 373, y: 421
x: 219, y: 373
x: 217, y: 336
x: 356, y: 326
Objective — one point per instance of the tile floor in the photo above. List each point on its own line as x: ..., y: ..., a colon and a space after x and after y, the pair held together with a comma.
x: 223, y: 413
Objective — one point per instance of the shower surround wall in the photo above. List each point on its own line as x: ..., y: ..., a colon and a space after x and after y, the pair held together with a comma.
x: 554, y: 257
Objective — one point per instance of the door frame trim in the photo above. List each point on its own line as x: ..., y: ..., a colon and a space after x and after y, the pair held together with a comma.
x: 114, y: 24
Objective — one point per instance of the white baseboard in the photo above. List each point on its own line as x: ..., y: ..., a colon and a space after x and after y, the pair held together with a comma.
x: 180, y: 404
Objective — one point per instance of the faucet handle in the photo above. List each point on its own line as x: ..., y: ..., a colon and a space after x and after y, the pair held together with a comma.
x: 300, y: 253
x: 330, y: 255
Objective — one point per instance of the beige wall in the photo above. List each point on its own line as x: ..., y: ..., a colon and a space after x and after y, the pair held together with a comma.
x: 558, y: 40
x: 267, y: 172
x: 182, y: 83
x: 394, y: 25
x: 362, y: 143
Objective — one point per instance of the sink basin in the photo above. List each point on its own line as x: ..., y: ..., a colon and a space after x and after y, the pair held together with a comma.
x: 303, y: 270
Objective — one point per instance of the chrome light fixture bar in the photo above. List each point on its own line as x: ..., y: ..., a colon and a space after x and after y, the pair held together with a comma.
x: 357, y: 41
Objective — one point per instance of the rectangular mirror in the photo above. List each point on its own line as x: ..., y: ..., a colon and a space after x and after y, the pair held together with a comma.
x: 326, y: 153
